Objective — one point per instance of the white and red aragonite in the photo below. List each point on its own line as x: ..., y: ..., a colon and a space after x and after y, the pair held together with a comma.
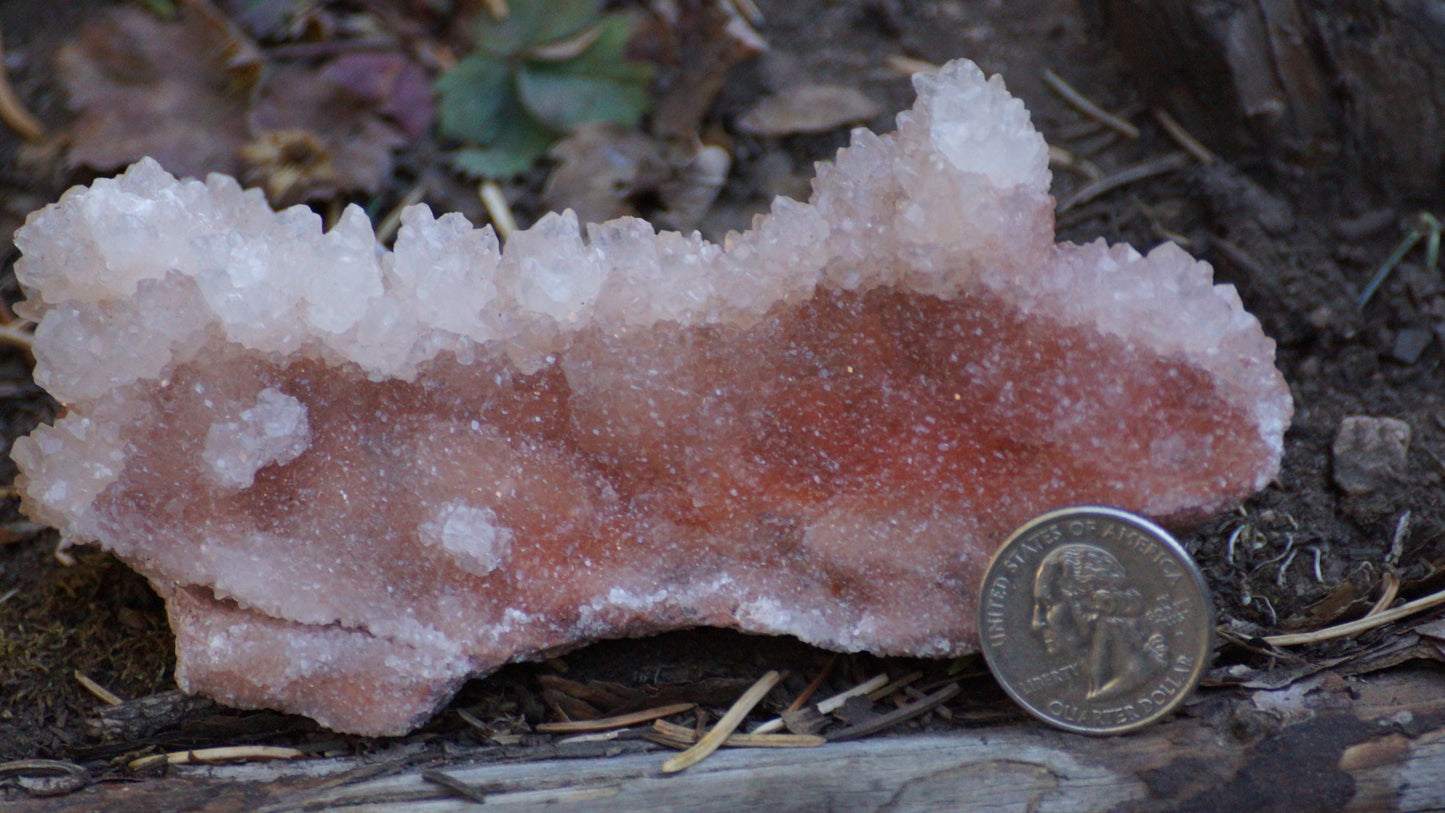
x: 359, y: 476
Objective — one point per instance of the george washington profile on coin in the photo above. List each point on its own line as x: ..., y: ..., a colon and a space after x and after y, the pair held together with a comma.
x: 1095, y: 620
x: 1084, y: 604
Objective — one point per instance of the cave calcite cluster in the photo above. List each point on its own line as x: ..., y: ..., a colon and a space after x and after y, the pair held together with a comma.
x: 360, y: 476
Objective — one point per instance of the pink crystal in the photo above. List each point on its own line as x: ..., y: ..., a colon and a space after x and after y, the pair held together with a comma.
x: 360, y: 476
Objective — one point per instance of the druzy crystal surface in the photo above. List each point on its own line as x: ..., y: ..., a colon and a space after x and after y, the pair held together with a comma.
x: 358, y: 476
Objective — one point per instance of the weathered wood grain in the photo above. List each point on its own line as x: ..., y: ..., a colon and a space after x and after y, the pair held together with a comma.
x: 1323, y: 744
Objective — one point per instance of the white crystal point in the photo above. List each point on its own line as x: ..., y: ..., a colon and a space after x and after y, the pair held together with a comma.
x: 979, y: 128
x: 273, y: 432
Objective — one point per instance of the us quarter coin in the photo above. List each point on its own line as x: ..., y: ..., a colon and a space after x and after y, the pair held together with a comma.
x: 1095, y: 620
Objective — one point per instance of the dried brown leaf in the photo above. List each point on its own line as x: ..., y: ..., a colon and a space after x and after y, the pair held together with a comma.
x: 808, y: 109
x: 604, y: 169
x: 694, y: 43
x: 318, y: 132
x: 600, y: 168
x: 176, y: 91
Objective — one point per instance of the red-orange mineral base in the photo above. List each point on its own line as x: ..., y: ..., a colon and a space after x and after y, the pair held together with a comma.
x: 360, y: 476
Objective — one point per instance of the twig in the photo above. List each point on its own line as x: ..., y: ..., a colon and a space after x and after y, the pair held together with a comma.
x: 831, y: 704
x: 1088, y: 108
x: 1397, y: 540
x: 879, y: 694
x: 836, y: 702
x: 893, y: 718
x: 474, y: 722
x: 1269, y: 605
x: 729, y: 722
x: 233, y: 753
x: 1355, y: 627
x: 455, y: 785
x: 808, y: 692
x: 1156, y: 166
x: 1427, y: 226
x: 1232, y: 539
x: 1279, y: 577
x: 685, y: 736
x: 1181, y: 136
x: 498, y: 209
x: 106, y: 695
x: 749, y: 11
x: 619, y: 721
x: 12, y: 110
x: 941, y: 711
x: 907, y: 65
x: 13, y: 335
x: 1388, y: 592
x: 386, y: 229
x: 604, y: 736
x: 1060, y: 157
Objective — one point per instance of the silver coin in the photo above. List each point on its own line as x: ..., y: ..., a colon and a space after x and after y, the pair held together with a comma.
x: 1095, y: 620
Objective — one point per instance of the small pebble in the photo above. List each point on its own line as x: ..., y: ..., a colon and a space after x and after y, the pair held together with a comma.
x: 1410, y: 343
x: 1370, y: 453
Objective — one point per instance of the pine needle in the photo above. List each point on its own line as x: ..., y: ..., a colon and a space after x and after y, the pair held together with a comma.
x: 713, y: 739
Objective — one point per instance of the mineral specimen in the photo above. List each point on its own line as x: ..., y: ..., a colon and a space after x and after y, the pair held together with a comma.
x: 359, y: 476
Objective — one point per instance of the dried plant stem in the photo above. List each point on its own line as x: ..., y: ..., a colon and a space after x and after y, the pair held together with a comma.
x: 1356, y: 627
x: 1387, y: 595
x: 498, y: 209
x: 684, y: 736
x: 1155, y: 166
x: 907, y: 65
x: 713, y: 739
x: 386, y: 229
x: 807, y: 693
x: 1182, y: 137
x: 455, y: 785
x: 14, y: 335
x: 1082, y: 104
x: 1064, y: 159
x: 891, y: 719
x: 1427, y: 227
x: 830, y: 704
x: 472, y: 721
x: 106, y: 695
x: 12, y: 111
x: 234, y: 753
x: 879, y: 694
x: 619, y: 721
x: 749, y: 11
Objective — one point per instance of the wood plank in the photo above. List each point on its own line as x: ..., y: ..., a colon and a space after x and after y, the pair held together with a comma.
x: 1324, y: 743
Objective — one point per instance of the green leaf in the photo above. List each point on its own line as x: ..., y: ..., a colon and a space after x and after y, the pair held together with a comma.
x: 535, y: 22
x: 519, y: 142
x: 164, y: 9
x: 607, y: 57
x: 601, y: 84
x: 471, y: 98
x: 562, y: 100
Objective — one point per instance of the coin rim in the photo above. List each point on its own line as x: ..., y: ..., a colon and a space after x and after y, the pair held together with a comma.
x: 1207, y: 643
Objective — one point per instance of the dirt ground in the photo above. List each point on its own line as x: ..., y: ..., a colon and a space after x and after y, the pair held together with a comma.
x: 1300, y: 248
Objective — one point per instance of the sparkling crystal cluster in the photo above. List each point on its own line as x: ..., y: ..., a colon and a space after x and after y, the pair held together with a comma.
x: 358, y: 476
